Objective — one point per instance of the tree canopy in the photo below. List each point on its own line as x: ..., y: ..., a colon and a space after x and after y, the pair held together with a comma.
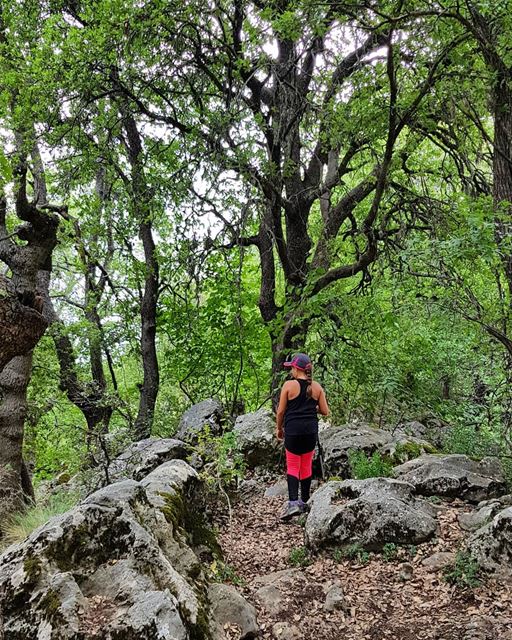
x: 190, y: 192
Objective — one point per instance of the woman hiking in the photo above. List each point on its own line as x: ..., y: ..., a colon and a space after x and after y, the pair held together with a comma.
x: 297, y: 424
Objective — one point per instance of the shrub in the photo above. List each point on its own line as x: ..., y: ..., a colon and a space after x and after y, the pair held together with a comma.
x: 299, y: 557
x: 464, y: 572
x: 363, y: 467
x: 224, y: 464
x: 389, y: 552
x: 353, y: 551
x: 222, y: 572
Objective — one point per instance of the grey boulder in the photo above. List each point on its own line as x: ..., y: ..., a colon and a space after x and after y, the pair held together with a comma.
x: 337, y: 442
x: 256, y: 440
x: 455, y: 476
x: 141, y: 457
x: 370, y: 512
x: 119, y: 557
x: 274, y: 591
x: 227, y: 606
x: 208, y: 414
x: 432, y: 432
x: 491, y: 545
x: 484, y: 513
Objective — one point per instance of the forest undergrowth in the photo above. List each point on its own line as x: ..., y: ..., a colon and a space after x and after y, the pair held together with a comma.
x: 385, y: 595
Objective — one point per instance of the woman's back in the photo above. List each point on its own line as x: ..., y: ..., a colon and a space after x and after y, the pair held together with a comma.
x: 301, y: 412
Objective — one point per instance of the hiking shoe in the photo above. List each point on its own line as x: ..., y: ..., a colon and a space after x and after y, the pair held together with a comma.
x: 291, y: 509
x: 304, y: 507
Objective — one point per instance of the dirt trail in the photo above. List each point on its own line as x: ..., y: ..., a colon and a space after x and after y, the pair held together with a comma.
x: 379, y: 603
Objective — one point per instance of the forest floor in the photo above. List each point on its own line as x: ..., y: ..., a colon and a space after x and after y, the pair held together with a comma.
x: 379, y: 603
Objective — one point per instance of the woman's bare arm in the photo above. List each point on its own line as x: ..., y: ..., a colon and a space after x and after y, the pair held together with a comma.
x: 281, y: 409
x: 323, y: 407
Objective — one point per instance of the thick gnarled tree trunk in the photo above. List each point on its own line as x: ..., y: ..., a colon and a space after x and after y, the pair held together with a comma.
x: 26, y: 260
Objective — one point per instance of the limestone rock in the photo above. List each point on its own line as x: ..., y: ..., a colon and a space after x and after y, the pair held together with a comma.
x: 439, y: 560
x: 256, y: 438
x: 286, y: 631
x: 227, y: 606
x: 141, y: 457
x: 403, y: 448
x: 335, y: 599
x: 491, y: 545
x: 274, y: 590
x: 406, y: 571
x: 370, y: 512
x: 455, y: 476
x: 484, y: 513
x: 336, y: 442
x: 120, y: 553
x: 433, y: 431
x: 279, y: 489
x: 208, y: 413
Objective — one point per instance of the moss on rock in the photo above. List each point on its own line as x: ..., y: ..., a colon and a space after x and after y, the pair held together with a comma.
x: 32, y: 566
x: 50, y: 604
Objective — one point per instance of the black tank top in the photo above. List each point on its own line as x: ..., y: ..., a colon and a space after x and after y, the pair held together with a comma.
x: 301, y: 416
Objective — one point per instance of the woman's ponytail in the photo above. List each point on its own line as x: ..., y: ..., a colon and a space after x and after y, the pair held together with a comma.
x: 309, y: 388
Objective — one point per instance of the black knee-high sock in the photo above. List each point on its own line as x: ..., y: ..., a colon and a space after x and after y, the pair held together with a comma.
x: 293, y: 488
x: 305, y: 488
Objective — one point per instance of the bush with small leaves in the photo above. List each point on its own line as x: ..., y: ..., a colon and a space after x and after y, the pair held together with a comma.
x: 222, y: 572
x: 389, y: 552
x: 363, y: 467
x: 464, y: 572
x: 299, y: 557
x: 353, y: 551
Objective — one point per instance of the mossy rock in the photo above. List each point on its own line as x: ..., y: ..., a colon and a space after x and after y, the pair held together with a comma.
x: 50, y: 604
x: 190, y: 522
x: 32, y: 566
x: 409, y: 450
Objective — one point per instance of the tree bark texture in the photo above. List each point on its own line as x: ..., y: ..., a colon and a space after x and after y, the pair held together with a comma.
x: 142, y: 201
x: 27, y: 261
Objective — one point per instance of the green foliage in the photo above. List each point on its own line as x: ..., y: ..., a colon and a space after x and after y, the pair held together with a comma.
x: 299, y: 557
x: 389, y: 552
x: 224, y: 464
x: 223, y: 572
x: 412, y: 550
x: 420, y: 339
x: 353, y: 551
x: 20, y: 525
x: 363, y: 467
x: 464, y: 573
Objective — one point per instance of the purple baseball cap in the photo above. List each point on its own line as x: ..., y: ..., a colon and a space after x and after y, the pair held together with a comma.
x: 299, y: 361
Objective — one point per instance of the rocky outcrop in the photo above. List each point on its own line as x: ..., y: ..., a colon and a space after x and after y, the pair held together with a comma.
x: 454, y: 476
x: 140, y: 458
x: 118, y: 565
x: 228, y: 607
x: 134, y: 463
x: 433, y: 431
x: 404, y: 448
x: 491, y: 545
x: 256, y: 438
x: 484, y: 513
x: 369, y: 512
x: 337, y: 442
x: 208, y: 413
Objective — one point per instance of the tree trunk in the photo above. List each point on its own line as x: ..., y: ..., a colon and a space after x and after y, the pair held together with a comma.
x: 141, y: 201
x: 151, y: 383
x: 14, y: 380
x: 27, y: 261
x: 502, y: 174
